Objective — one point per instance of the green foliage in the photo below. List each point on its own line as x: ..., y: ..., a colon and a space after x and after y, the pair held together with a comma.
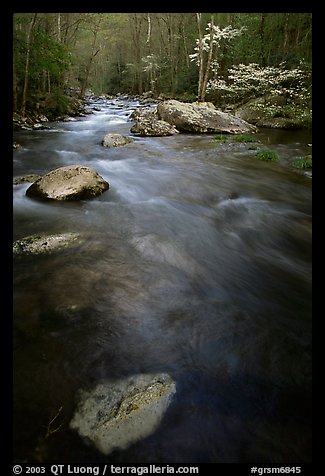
x: 235, y: 137
x: 267, y: 155
x: 305, y: 163
x: 48, y: 61
x: 221, y: 137
x: 111, y: 52
x: 53, y: 104
x: 244, y: 138
x: 272, y: 38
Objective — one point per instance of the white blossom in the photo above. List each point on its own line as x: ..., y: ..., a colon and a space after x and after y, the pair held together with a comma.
x: 253, y: 80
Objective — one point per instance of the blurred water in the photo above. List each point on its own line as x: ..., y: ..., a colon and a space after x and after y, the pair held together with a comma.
x: 195, y: 262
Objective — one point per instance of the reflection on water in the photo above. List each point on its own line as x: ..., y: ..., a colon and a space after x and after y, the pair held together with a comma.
x: 196, y: 262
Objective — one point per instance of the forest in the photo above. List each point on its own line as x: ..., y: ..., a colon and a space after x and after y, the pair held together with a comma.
x: 220, y: 57
x: 162, y: 241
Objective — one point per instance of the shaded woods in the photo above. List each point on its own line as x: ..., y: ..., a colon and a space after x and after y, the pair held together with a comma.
x: 136, y: 53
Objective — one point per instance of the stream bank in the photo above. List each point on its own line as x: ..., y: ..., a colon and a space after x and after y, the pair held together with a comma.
x: 195, y: 263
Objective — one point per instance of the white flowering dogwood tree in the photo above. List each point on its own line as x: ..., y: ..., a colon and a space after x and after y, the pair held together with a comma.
x: 206, y: 50
x: 252, y: 80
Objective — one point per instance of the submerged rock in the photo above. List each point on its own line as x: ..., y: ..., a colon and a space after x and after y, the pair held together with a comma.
x: 73, y: 182
x: 115, y: 415
x: 188, y: 117
x: 44, y: 244
x: 115, y: 140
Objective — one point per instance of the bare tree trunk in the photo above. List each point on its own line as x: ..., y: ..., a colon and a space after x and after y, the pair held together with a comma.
x: 262, y: 28
x: 208, y: 65
x: 201, y: 57
x: 88, y: 68
x: 84, y: 83
x: 286, y: 36
x: 59, y: 27
x: 151, y: 70
x: 149, y: 29
x: 29, y: 34
x: 15, y: 93
x: 170, y: 54
x: 136, y: 25
x: 183, y: 35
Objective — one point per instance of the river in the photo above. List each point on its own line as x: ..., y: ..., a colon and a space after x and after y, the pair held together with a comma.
x: 195, y: 262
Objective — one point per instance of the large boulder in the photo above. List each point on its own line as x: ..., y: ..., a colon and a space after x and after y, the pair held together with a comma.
x: 115, y: 415
x: 115, y: 140
x: 73, y: 182
x: 188, y: 117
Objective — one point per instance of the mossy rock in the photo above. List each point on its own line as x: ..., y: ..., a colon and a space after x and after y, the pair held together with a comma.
x: 44, y: 244
x: 116, y: 414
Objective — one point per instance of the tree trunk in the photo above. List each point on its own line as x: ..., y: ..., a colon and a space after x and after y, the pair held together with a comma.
x: 201, y: 57
x: 183, y: 36
x: 28, y: 40
x: 286, y: 36
x: 84, y: 83
x: 208, y: 65
x: 136, y: 25
x: 262, y: 49
x: 59, y: 27
x: 15, y: 93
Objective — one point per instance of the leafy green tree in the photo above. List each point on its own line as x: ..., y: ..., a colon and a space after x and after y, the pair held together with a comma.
x: 39, y: 60
x: 137, y: 52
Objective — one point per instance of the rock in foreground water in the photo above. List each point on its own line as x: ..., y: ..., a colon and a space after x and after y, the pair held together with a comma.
x: 73, y: 182
x: 44, y: 243
x: 116, y: 414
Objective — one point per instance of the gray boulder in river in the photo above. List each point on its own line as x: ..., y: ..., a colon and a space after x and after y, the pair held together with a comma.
x: 114, y: 415
x: 188, y: 117
x: 115, y: 140
x: 73, y: 182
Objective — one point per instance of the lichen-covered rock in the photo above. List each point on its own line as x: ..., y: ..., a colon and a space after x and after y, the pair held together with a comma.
x: 45, y: 244
x: 73, y: 182
x: 208, y: 104
x: 114, y: 415
x: 115, y: 140
x: 272, y: 112
x: 188, y: 117
x: 144, y: 113
x: 26, y: 179
x: 154, y: 128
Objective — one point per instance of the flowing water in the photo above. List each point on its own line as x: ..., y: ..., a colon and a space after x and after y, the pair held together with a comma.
x: 196, y: 262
